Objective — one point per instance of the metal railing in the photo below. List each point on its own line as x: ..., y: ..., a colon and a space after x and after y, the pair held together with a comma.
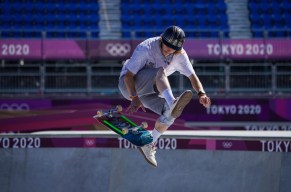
x: 98, y: 79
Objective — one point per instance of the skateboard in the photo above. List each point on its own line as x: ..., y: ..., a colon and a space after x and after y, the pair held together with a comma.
x: 123, y: 126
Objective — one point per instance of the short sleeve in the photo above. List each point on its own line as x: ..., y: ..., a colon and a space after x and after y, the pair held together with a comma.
x: 185, y: 66
x: 137, y: 60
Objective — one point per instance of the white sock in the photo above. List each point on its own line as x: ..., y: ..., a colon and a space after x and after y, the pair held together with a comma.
x: 156, y: 135
x: 168, y: 95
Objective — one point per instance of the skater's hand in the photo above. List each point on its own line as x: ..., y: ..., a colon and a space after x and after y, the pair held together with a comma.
x: 205, y: 101
x: 135, y: 105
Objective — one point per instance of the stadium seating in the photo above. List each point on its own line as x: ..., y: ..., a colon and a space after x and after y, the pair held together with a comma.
x: 139, y: 18
x: 60, y: 18
x: 33, y: 17
x: 272, y: 16
x: 147, y: 18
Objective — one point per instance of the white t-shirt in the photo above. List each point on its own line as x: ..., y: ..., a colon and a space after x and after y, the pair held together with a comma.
x: 148, y: 54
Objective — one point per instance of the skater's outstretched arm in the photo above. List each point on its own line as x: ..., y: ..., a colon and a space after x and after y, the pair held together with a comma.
x: 197, y: 86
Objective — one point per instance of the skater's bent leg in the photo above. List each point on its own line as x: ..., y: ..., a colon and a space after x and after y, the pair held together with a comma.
x: 164, y: 87
x: 160, y: 127
x: 162, y: 81
x: 162, y: 124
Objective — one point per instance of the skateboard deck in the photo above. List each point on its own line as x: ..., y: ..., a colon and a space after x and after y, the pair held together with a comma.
x: 123, y: 126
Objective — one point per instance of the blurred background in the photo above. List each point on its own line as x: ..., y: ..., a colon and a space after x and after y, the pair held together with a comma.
x: 60, y: 62
x: 69, y: 47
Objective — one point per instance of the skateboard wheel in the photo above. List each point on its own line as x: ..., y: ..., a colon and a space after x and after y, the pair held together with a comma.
x: 119, y: 108
x: 99, y: 113
x: 144, y: 125
x: 124, y: 130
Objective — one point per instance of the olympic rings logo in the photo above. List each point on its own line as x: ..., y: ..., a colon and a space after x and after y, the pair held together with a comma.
x: 90, y: 142
x: 14, y: 107
x: 227, y: 145
x: 118, y: 49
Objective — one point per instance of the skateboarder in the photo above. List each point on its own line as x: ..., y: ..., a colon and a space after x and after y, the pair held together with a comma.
x: 143, y: 80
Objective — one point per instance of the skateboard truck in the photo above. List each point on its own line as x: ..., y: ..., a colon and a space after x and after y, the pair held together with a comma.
x: 134, y: 130
x: 109, y: 113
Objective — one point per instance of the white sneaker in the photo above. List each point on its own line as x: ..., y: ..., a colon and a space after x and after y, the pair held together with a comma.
x: 180, y: 103
x: 149, y: 152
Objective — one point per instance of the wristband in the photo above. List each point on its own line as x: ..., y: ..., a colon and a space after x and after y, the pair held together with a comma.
x: 200, y: 93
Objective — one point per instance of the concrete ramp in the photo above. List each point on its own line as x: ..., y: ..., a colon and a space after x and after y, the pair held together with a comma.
x: 118, y: 170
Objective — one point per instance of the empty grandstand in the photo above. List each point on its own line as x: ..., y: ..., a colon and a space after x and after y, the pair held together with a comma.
x: 75, y: 46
